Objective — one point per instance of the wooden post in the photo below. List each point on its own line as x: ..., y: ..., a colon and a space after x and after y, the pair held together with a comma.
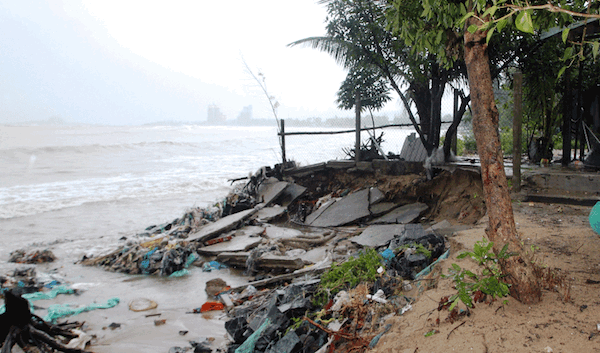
x: 454, y: 117
x: 517, y: 118
x: 282, y: 133
x: 566, y: 127
x: 357, y: 107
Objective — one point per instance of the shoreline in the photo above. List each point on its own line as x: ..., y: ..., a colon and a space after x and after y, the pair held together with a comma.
x: 138, y: 328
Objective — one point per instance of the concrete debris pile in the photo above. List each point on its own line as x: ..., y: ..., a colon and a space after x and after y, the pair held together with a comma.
x: 269, y: 224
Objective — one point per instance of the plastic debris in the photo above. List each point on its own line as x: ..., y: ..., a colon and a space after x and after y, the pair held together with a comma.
x: 379, y: 297
x: 179, y: 273
x: 210, y: 306
x: 406, y: 308
x: 81, y: 341
x: 387, y: 254
x: 57, y: 311
x: 50, y: 294
x: 213, y: 266
x: 142, y: 304
x: 427, y: 269
x: 248, y: 345
x: 595, y: 218
x: 375, y: 339
x: 341, y: 299
x: 33, y: 257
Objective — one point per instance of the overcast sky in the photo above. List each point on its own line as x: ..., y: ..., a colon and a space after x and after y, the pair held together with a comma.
x: 132, y: 62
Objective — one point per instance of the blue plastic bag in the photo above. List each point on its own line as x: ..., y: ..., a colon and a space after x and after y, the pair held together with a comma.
x: 595, y: 218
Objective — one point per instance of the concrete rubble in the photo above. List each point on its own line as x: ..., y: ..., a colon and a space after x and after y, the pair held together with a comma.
x: 289, y: 232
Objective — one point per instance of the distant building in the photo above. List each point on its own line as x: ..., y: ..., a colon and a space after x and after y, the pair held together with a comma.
x: 215, y: 115
x: 246, y: 114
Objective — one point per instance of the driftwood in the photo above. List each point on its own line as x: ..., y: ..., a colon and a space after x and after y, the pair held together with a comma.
x: 19, y: 326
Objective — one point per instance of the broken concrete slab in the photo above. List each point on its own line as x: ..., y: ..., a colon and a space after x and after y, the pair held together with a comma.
x: 267, y: 214
x: 347, y: 210
x: 315, y: 255
x: 375, y: 196
x: 402, y: 215
x: 291, y: 193
x: 341, y: 164
x: 265, y: 261
x: 413, y: 150
x: 269, y: 190
x: 306, y: 170
x: 378, y: 235
x: 446, y: 228
x: 244, y: 239
x: 224, y: 224
x: 411, y: 233
x: 304, y: 272
x: 315, y: 214
x: 382, y: 208
x: 274, y: 232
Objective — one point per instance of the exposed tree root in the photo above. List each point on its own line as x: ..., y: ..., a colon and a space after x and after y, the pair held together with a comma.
x: 19, y: 326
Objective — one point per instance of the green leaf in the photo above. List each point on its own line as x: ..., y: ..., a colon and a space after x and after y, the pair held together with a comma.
x: 565, y: 34
x: 438, y: 38
x: 561, y: 71
x: 524, y: 22
x: 568, y: 53
x: 489, y: 35
x: 490, y: 11
x: 595, y: 46
x: 465, y: 17
x: 501, y: 24
x: 472, y: 28
x: 462, y: 255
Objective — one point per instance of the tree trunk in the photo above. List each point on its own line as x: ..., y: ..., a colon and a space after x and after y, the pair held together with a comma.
x: 501, y: 230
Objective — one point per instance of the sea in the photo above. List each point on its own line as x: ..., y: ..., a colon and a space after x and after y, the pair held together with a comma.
x: 84, y: 190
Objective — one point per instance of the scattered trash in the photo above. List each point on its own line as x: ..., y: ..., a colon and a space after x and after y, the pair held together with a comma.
x: 160, y: 322
x: 183, y: 333
x: 379, y: 297
x: 210, y: 306
x: 114, y: 326
x: 375, y: 339
x: 57, y: 311
x: 213, y: 266
x: 302, y: 314
x: 79, y: 342
x: 33, y: 257
x: 142, y: 304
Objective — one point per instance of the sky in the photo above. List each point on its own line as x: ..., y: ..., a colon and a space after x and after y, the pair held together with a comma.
x: 135, y: 62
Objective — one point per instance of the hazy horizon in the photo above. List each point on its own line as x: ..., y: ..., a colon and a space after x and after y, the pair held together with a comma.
x: 134, y: 63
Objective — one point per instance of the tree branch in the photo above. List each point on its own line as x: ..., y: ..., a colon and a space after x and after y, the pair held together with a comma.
x: 553, y: 8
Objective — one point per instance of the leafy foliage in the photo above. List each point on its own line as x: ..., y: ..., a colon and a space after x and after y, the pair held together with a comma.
x: 349, y: 274
x: 489, y: 281
x: 419, y: 248
x: 368, y: 82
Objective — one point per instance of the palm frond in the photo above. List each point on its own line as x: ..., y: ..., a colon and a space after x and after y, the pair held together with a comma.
x: 340, y: 50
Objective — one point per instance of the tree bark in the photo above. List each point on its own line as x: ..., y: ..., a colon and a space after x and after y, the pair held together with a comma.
x: 518, y: 269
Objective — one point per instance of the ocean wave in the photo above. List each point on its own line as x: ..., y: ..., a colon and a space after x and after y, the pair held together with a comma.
x: 28, y: 200
x: 91, y: 148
